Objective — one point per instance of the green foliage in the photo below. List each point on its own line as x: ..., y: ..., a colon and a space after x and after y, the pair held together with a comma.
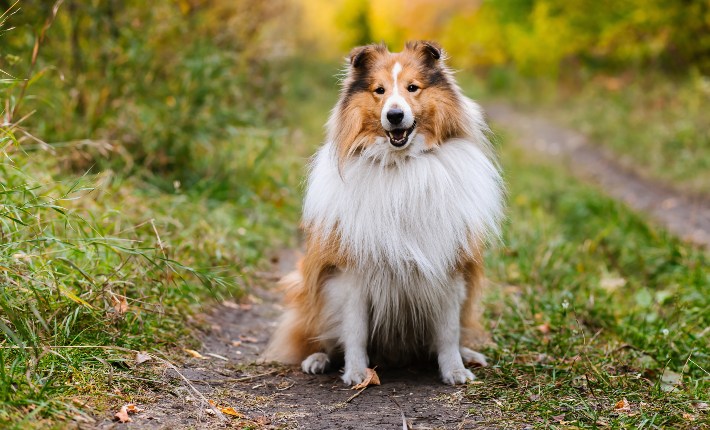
x: 75, y: 247
x: 160, y: 85
x: 658, y: 126
x: 592, y: 306
x: 540, y: 37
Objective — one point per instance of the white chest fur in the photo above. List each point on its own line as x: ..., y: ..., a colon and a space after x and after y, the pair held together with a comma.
x: 418, y: 214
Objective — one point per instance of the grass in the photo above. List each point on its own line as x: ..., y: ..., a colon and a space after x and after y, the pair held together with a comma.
x: 104, y: 251
x: 75, y: 249
x: 592, y: 305
x: 657, y: 124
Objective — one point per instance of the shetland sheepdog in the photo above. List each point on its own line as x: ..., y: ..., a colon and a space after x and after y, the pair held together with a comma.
x: 400, y: 202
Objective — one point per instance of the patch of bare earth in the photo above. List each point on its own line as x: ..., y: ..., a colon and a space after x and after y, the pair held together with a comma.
x: 268, y: 396
x: 687, y: 216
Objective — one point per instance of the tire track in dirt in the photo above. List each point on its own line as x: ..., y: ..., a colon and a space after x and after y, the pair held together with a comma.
x: 686, y: 216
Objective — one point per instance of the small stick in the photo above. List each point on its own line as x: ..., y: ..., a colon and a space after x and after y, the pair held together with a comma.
x: 243, y: 379
x: 355, y: 395
x: 217, y: 412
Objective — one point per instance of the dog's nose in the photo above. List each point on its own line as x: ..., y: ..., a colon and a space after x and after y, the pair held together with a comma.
x: 395, y: 116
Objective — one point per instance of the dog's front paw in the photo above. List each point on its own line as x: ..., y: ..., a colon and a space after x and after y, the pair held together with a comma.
x: 315, y: 363
x: 354, y: 376
x: 457, y: 376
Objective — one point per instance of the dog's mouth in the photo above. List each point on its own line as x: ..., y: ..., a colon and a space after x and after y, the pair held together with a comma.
x: 400, y: 136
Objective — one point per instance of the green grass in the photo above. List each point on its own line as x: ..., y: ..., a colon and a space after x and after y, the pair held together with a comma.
x: 590, y: 305
x: 113, y: 244
x: 658, y: 125
x: 74, y: 247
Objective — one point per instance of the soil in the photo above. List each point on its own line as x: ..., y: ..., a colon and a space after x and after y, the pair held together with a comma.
x: 686, y: 216
x: 269, y: 396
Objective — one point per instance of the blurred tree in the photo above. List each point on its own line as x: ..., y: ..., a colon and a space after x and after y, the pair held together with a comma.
x: 537, y: 37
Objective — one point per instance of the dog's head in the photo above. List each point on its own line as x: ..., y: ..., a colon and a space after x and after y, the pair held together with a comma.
x: 396, y: 103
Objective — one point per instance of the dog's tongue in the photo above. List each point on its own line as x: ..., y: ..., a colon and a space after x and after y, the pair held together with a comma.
x: 398, y: 134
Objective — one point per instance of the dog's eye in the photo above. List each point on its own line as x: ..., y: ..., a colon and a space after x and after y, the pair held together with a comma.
x: 380, y: 90
x: 412, y: 88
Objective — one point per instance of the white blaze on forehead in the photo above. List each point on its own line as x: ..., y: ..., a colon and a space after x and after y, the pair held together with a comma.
x: 396, y: 101
x: 395, y: 72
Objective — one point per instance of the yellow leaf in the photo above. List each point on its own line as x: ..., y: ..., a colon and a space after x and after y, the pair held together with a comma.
x: 73, y: 297
x: 230, y: 411
x: 195, y: 354
x: 370, y: 379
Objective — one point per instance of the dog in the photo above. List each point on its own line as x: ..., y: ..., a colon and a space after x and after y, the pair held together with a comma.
x: 400, y: 202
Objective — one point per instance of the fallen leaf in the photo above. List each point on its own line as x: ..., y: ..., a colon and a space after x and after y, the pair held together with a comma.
x: 248, y: 339
x: 544, y: 328
x: 142, y: 357
x: 558, y: 418
x: 622, y: 405
x: 236, y: 343
x: 230, y: 304
x: 230, y: 411
x: 688, y: 417
x: 611, y: 284
x: 262, y: 420
x: 120, y: 304
x: 122, y: 415
x: 371, y: 378
x: 601, y: 422
x: 644, y: 361
x: 670, y: 380
x: 195, y: 354
x: 701, y: 406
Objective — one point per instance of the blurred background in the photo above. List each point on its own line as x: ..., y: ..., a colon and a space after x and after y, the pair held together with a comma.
x: 153, y: 155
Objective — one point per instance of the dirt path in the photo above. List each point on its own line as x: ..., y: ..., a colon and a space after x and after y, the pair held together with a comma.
x: 685, y: 216
x: 280, y: 397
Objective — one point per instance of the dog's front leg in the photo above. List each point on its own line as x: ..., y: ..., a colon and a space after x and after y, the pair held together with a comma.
x: 447, y: 332
x: 355, y: 331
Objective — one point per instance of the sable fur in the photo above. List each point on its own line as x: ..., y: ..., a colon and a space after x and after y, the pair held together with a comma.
x: 398, y: 234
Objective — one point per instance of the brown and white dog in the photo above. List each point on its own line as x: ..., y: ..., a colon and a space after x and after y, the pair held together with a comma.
x: 400, y: 202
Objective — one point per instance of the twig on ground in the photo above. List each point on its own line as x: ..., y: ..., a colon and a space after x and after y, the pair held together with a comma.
x: 243, y: 379
x: 405, y: 423
x: 355, y: 395
x: 217, y: 412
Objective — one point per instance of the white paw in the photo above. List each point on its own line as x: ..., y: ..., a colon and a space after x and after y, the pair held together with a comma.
x: 457, y: 376
x: 315, y: 363
x: 354, y: 376
x: 471, y: 357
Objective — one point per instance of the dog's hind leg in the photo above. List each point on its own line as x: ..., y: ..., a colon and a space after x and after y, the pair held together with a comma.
x: 318, y: 362
x: 471, y: 357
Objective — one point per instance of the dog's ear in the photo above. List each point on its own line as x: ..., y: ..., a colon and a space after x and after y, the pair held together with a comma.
x: 362, y: 55
x: 430, y: 52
